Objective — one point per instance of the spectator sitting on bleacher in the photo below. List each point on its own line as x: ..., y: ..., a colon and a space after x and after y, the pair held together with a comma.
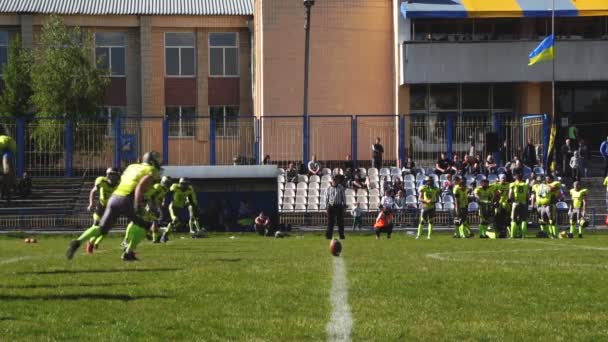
x: 477, y: 165
x: 443, y: 165
x: 262, y: 224
x: 314, y: 168
x: 291, y: 174
x: 398, y: 186
x: 387, y: 200
x: 357, y: 184
x: 491, y: 165
x: 349, y: 175
x: 409, y: 168
x: 457, y: 165
x: 24, y: 188
x: 448, y: 185
x: 400, y: 200
x: 386, y: 183
x: 531, y: 179
x: 515, y: 166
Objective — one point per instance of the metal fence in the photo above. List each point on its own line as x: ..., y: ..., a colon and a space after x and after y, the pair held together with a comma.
x: 58, y: 147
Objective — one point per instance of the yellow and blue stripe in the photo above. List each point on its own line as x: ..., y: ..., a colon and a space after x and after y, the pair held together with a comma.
x: 544, y: 51
x: 502, y: 8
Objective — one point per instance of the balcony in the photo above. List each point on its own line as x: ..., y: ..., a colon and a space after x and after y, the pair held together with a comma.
x: 501, y: 61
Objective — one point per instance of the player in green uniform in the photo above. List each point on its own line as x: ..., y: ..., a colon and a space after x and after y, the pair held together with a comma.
x: 485, y: 195
x: 556, y: 194
x: 103, y: 188
x: 542, y: 199
x: 127, y: 200
x: 429, y: 195
x: 157, y: 204
x: 503, y: 207
x: 8, y: 150
x: 461, y: 198
x: 183, y: 208
x: 518, y: 195
x: 577, y: 209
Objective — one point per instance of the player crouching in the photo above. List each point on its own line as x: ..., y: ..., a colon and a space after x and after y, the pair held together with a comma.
x: 384, y: 223
x: 183, y: 208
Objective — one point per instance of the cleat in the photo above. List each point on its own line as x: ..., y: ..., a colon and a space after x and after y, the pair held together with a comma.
x: 580, y: 236
x: 417, y: 237
x: 164, y: 238
x: 342, y: 237
x: 90, y: 248
x: 72, y: 248
x: 428, y: 237
x: 128, y: 256
x: 570, y: 236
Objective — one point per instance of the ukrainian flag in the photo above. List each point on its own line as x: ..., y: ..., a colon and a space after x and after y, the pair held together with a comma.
x: 543, y: 52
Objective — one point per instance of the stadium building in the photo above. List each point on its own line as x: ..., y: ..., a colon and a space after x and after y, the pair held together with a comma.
x: 423, y: 76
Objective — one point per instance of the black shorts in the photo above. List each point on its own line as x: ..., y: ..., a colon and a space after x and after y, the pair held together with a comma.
x: 388, y: 229
x: 121, y: 206
x: 427, y: 214
x: 519, y: 212
x: 463, y: 215
x: 575, y: 215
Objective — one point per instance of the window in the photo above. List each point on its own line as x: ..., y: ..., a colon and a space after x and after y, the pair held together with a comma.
x: 110, y: 113
x: 444, y: 97
x: 223, y: 54
x: 180, y: 54
x: 226, y: 120
x: 475, y: 96
x: 418, y: 97
x: 3, y: 50
x: 504, y: 97
x: 181, y: 121
x: 110, y: 52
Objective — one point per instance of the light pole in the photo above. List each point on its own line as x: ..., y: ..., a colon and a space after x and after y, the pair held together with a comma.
x: 308, y: 4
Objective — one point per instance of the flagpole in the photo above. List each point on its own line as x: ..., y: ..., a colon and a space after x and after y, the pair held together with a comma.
x: 553, y: 117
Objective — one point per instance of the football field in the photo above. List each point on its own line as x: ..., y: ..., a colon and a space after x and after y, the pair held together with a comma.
x: 249, y: 288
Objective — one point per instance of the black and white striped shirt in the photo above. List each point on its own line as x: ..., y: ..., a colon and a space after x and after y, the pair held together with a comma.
x: 334, y: 195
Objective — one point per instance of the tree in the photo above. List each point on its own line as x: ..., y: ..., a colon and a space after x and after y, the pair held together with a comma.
x: 15, y: 101
x: 65, y: 79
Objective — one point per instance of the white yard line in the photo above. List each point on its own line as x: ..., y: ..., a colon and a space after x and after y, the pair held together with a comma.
x: 341, y: 322
x: 13, y: 260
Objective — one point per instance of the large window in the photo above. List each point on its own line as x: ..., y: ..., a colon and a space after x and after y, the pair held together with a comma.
x: 3, y: 50
x: 223, y: 54
x: 444, y: 97
x: 181, y: 121
x: 180, y: 54
x: 110, y: 113
x: 226, y: 120
x: 110, y: 50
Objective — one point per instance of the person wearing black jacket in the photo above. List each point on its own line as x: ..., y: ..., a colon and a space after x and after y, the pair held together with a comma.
x: 530, y: 159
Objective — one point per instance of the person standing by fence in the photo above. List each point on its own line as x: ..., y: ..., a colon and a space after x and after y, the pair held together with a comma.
x: 604, y: 153
x: 377, y: 154
x: 335, y: 200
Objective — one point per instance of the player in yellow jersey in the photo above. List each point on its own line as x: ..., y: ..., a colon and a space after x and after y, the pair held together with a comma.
x: 503, y: 207
x: 103, y: 189
x: 461, y: 198
x: 8, y: 150
x: 543, y: 200
x: 485, y: 195
x: 429, y: 195
x: 183, y: 208
x: 577, y: 209
x: 518, y: 195
x: 127, y: 200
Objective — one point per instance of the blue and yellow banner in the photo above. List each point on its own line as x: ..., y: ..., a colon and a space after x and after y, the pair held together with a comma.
x: 544, y: 51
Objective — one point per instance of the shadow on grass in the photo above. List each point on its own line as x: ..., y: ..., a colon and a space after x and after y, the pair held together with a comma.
x: 83, y: 296
x: 136, y: 270
x: 54, y: 286
x: 227, y: 259
x: 7, y: 319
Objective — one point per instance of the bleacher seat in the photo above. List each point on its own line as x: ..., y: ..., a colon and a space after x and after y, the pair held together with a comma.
x: 302, y: 193
x: 361, y: 193
x: 324, y: 185
x: 438, y: 207
x: 362, y: 199
x: 313, y: 199
x: 410, y: 192
x: 363, y: 171
x: 322, y: 193
x: 287, y: 207
x: 385, y: 172
x: 313, y: 192
x: 322, y: 205
x: 337, y: 171
x: 409, y: 178
x: 374, y: 206
x: 302, y: 179
x: 374, y: 199
x: 313, y: 207
x: 350, y: 199
x: 435, y: 178
x: 281, y: 171
x: 473, y: 206
x: 289, y: 200
x: 395, y: 178
x: 300, y: 207
x: 289, y: 193
x: 421, y: 171
x: 301, y: 200
x: 539, y: 171
x: 351, y: 206
x: 372, y: 171
x: 280, y: 201
x: 562, y: 206
x: 350, y: 192
x: 374, y: 179
x: 449, y: 206
x: 325, y: 179
x: 363, y: 206
x: 492, y: 178
x: 447, y: 198
x: 290, y: 186
x: 480, y: 177
x: 326, y: 172
x: 374, y: 185
x: 420, y: 177
x: 409, y: 185
x: 443, y: 178
x: 314, y: 179
x: 395, y: 171
x: 303, y: 186
x: 281, y: 179
x: 411, y: 200
x: 374, y: 192
x: 501, y: 170
x: 281, y: 186
x: 313, y: 186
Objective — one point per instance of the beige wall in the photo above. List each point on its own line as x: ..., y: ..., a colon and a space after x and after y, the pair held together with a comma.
x: 351, y: 59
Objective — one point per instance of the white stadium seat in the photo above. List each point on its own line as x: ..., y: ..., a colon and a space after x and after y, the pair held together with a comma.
x: 289, y: 193
x: 361, y: 193
x: 409, y: 178
x: 301, y: 193
x: 411, y: 200
x: 448, y: 206
x: 289, y: 200
x: 326, y: 179
x: 362, y: 171
x: 374, y: 179
x: 395, y: 171
x: 562, y: 206
x: 362, y: 199
x: 301, y: 200
x: 350, y: 199
x: 281, y: 186
x: 313, y: 207
x: 473, y: 206
x: 287, y: 207
x: 385, y: 172
x: 313, y: 193
x: 302, y: 179
x: 409, y: 185
x: 374, y: 185
x: 300, y: 207
x: 324, y: 186
x: 374, y: 199
x: 281, y: 179
x: 313, y: 200
x: 438, y: 207
x: 363, y: 206
x: 290, y: 186
x: 337, y: 171
x: 326, y: 172
x: 372, y: 171
x: 374, y: 192
x: 349, y: 192
x: 303, y: 186
x: 313, y: 186
x: 410, y: 192
x: 374, y: 206
x: 314, y: 179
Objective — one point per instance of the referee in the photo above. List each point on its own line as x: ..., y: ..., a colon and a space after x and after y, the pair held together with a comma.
x: 335, y: 201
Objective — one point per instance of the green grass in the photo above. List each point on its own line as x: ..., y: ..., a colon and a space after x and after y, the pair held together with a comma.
x: 261, y: 289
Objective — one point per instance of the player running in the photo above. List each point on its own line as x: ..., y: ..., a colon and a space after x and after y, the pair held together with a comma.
x: 518, y: 195
x: 461, y: 199
x: 157, y: 204
x: 183, y: 208
x: 127, y: 200
x: 503, y: 207
x: 8, y: 150
x: 485, y: 195
x: 429, y: 195
x: 103, y: 188
x: 577, y: 209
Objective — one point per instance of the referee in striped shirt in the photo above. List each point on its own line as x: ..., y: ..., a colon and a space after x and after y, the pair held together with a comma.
x: 335, y: 201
